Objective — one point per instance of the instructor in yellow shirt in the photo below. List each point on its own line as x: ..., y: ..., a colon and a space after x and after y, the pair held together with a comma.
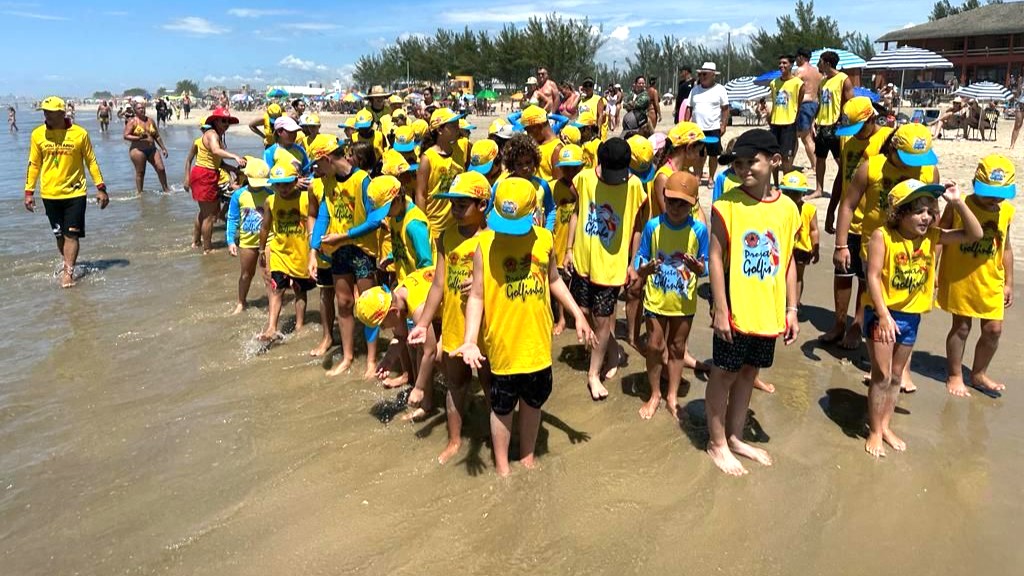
x: 59, y: 154
x: 786, y: 91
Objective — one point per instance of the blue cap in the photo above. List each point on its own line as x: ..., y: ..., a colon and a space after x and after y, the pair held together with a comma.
x: 850, y: 129
x: 404, y: 146
x: 990, y: 191
x: 917, y: 160
x: 645, y: 176
x: 512, y: 227
x: 711, y: 139
x: 483, y: 168
x: 414, y: 167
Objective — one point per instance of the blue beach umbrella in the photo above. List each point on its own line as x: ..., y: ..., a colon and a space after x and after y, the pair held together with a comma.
x: 862, y: 91
x: 847, y: 60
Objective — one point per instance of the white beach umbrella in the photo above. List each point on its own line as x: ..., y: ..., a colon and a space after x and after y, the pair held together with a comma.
x: 743, y: 89
x: 907, y: 58
x: 985, y: 91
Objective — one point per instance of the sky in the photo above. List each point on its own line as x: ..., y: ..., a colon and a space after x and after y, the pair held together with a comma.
x: 74, y: 48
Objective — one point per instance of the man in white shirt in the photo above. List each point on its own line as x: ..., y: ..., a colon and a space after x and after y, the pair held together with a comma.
x: 709, y: 109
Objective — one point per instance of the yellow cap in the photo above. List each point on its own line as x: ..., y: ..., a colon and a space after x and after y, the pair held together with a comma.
x: 420, y: 128
x: 394, y: 163
x: 913, y: 143
x: 256, y: 172
x: 373, y: 306
x: 274, y: 110
x: 395, y: 99
x: 309, y: 119
x: 482, y: 155
x: 400, y: 113
x: 533, y: 116
x: 382, y: 190
x: 443, y: 116
x: 586, y: 118
x: 570, y: 155
x: 351, y: 122
x: 514, y: 202
x: 468, y: 185
x: 283, y: 172
x: 364, y: 119
x: 496, y: 125
x: 641, y: 157
x: 684, y: 134
x: 571, y: 134
x: 995, y: 177
x: 322, y: 145
x: 465, y: 125
x: 794, y: 181
x: 912, y: 189
x: 52, y: 104
x: 405, y: 139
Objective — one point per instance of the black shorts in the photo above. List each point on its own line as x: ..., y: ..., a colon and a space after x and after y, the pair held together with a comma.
x: 66, y: 215
x: 826, y: 142
x: 745, y: 350
x: 786, y: 135
x: 279, y: 282
x: 801, y: 257
x: 856, y: 263
x: 324, y: 278
x: 713, y: 149
x: 350, y: 260
x: 600, y: 300
x: 508, y: 390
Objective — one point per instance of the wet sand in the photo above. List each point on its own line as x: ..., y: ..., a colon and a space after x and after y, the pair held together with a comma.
x: 141, y: 434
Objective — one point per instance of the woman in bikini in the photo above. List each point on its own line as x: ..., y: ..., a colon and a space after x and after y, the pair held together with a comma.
x: 144, y: 139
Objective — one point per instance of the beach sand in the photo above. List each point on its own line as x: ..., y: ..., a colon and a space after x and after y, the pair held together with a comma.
x: 147, y: 437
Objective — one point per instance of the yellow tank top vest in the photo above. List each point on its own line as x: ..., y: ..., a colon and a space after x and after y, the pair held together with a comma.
x: 317, y: 187
x: 443, y: 170
x: 417, y: 286
x: 604, y: 227
x: 908, y: 272
x: 590, y: 153
x: 874, y: 204
x: 289, y: 246
x: 592, y: 104
x: 345, y: 203
x: 672, y: 289
x: 250, y: 216
x: 547, y: 150
x: 830, y: 100
x: 565, y: 207
x: 854, y: 151
x: 204, y: 157
x: 458, y: 268
x: 517, y: 303
x: 785, y: 100
x: 971, y: 274
x: 803, y: 238
x: 405, y: 260
x: 761, y: 235
x: 268, y: 131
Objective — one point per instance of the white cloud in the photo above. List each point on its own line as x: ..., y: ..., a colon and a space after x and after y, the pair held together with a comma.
x: 233, y: 79
x: 257, y: 12
x: 503, y: 14
x: 719, y: 31
x: 909, y: 25
x: 296, y: 63
x: 32, y: 15
x: 621, y: 33
x: 195, y: 25
x: 407, y: 35
x: 309, y: 26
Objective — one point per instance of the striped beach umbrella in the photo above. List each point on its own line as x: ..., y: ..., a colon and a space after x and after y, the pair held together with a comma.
x: 985, y: 91
x: 743, y: 90
x: 847, y: 60
x: 908, y: 58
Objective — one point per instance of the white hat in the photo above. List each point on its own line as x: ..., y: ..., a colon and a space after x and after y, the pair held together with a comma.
x: 708, y: 67
x: 287, y: 123
x: 531, y: 80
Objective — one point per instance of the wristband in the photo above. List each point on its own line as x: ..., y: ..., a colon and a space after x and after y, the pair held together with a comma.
x: 30, y: 193
x: 843, y: 247
x: 101, y: 188
x: 791, y: 309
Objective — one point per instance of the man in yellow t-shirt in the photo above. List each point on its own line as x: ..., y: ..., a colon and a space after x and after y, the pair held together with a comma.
x: 786, y: 91
x: 59, y: 154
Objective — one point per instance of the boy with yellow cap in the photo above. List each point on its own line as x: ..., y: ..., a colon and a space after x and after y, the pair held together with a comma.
x: 365, y: 132
x: 244, y: 222
x: 673, y: 255
x: 590, y: 138
x: 264, y: 126
x: 535, y: 121
x: 513, y: 306
x: 284, y: 246
x: 379, y: 307
x: 485, y: 158
x: 396, y: 164
x: 805, y: 250
x: 901, y: 281
x: 322, y: 149
x: 469, y: 195
x: 563, y: 191
x: 976, y: 278
x: 410, y: 234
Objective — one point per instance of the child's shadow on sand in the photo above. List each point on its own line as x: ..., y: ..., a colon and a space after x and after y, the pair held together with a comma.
x: 693, y: 422
x: 849, y: 411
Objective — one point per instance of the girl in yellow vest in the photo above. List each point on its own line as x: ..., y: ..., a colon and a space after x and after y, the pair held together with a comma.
x: 806, y: 250
x: 284, y: 246
x: 673, y: 254
x: 244, y: 222
x: 684, y: 151
x: 976, y: 278
x: 514, y: 278
x: 590, y: 138
x: 901, y: 282
x: 563, y: 192
x: 469, y: 195
x: 440, y: 163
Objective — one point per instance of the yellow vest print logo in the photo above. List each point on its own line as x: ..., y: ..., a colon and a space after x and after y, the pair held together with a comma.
x: 603, y: 222
x: 911, y: 272
x: 523, y: 278
x: 990, y: 243
x: 760, y: 254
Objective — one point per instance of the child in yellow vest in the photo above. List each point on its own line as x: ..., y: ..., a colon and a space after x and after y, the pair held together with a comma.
x: 976, y: 278
x: 324, y: 151
x: 514, y: 278
x: 244, y: 221
x: 753, y: 286
x: 284, y: 246
x: 805, y: 251
x: 901, y: 282
x: 470, y: 193
x: 410, y: 232
x: 570, y: 163
x: 673, y: 254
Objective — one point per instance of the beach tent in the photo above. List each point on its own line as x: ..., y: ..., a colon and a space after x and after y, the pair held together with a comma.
x: 487, y: 95
x: 907, y: 58
x: 277, y: 93
x: 743, y: 89
x: 985, y: 91
x: 847, y: 60
x: 766, y: 78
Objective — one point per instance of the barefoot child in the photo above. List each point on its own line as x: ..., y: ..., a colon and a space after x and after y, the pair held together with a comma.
x: 753, y: 285
x: 320, y: 150
x: 410, y: 233
x: 245, y: 219
x: 672, y: 256
x: 284, y: 246
x: 976, y: 278
x: 514, y: 278
x: 805, y: 251
x: 901, y: 281
x: 469, y: 194
x: 570, y: 162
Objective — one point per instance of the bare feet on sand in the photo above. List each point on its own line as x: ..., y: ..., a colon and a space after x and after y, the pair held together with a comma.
x: 395, y: 381
x: 239, y: 308
x: 371, y: 371
x: 270, y: 336
x: 597, y: 389
x: 612, y: 369
x: 956, y: 387
x: 322, y: 348
x: 851, y: 341
x: 893, y: 440
x: 559, y: 327
x: 741, y: 448
x: 418, y: 414
x: 528, y: 462
x: 907, y: 386
x: 726, y: 461
x: 340, y: 367
x: 833, y: 335
x: 650, y: 407
x: 874, y: 446
x: 764, y: 386
x: 983, y: 381
x: 449, y: 451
